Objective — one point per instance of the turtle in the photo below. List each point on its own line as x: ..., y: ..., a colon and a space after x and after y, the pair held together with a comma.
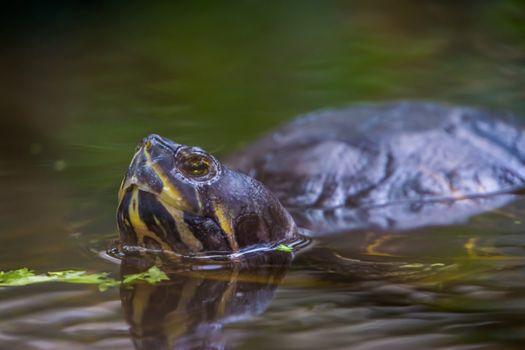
x: 386, y: 167
x: 189, y: 310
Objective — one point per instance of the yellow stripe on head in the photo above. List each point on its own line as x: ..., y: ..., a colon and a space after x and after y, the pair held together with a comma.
x: 139, y: 227
x: 121, y: 190
x: 169, y: 193
x: 186, y: 235
x: 225, y: 223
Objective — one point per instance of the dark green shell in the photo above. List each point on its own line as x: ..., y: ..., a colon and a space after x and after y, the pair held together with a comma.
x: 389, y: 166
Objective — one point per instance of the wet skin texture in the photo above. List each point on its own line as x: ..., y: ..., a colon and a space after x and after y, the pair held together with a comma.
x: 180, y: 199
x: 395, y: 166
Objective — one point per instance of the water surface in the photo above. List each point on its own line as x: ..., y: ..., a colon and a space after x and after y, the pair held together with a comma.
x: 82, y: 84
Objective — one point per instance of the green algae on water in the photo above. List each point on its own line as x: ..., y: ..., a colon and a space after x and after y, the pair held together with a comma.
x: 25, y: 276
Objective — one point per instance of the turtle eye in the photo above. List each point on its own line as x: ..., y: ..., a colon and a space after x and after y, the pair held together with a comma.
x: 196, y: 165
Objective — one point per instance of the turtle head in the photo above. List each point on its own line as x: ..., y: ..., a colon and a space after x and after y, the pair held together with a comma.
x: 181, y: 199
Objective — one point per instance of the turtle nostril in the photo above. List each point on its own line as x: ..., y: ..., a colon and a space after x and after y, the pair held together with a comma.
x: 150, y: 141
x: 151, y: 138
x: 156, y: 143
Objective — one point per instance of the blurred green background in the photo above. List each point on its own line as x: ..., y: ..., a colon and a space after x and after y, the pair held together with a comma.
x: 83, y: 82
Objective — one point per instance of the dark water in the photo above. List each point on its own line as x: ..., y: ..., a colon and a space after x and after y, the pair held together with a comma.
x: 82, y: 84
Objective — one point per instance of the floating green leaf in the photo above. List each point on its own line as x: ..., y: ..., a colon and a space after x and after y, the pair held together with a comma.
x: 24, y: 276
x: 284, y: 248
x: 152, y: 276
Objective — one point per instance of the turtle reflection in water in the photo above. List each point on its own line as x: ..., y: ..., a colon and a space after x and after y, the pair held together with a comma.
x: 188, y: 311
x: 390, y: 168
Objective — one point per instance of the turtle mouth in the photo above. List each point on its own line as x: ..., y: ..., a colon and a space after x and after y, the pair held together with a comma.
x: 142, y: 174
x: 130, y: 183
x: 169, y: 197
